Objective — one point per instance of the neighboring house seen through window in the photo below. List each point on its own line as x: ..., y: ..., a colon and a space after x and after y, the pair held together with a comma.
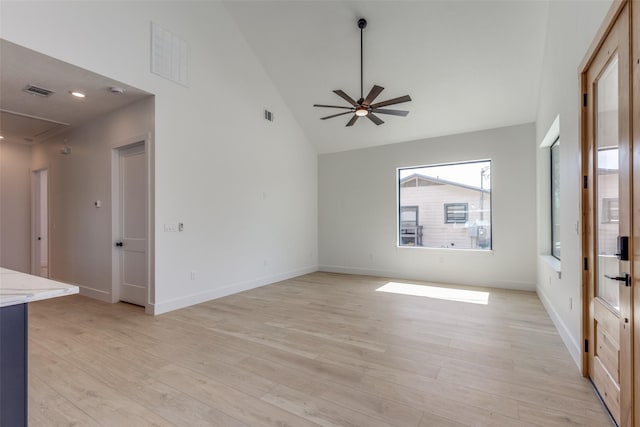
x: 445, y: 206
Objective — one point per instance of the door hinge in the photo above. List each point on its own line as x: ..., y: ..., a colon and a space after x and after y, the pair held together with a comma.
x: 586, y: 346
x: 585, y: 264
x: 585, y: 182
x: 584, y: 99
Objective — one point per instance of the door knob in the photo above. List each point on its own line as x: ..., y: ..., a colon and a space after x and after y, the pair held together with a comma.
x: 119, y: 244
x: 626, y: 278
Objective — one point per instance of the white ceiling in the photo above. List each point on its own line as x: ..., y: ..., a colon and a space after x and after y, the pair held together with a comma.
x: 468, y: 65
x: 28, y: 119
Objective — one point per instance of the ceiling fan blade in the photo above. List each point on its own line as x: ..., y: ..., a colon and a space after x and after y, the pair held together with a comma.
x: 398, y: 100
x: 375, y: 119
x: 402, y: 113
x: 373, y: 94
x: 346, y: 97
x: 335, y: 115
x: 333, y: 106
x: 353, y: 120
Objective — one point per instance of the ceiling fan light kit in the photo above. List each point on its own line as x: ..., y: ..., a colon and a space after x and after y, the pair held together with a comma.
x: 364, y: 107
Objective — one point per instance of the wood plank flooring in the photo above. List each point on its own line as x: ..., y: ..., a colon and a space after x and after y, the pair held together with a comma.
x: 322, y: 349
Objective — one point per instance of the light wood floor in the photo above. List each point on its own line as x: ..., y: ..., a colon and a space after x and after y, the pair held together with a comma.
x: 322, y: 349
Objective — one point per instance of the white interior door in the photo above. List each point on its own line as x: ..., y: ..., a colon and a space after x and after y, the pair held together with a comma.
x: 132, y: 245
x: 40, y: 223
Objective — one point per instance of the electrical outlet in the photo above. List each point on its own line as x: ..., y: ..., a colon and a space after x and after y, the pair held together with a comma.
x: 193, y: 275
x: 171, y: 227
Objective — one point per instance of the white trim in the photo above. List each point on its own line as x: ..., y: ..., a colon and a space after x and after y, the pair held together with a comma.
x: 447, y: 250
x: 554, y: 263
x: 189, y: 300
x: 36, y: 209
x: 501, y: 284
x: 116, y: 150
x: 568, y: 339
x: 552, y: 134
x: 95, y: 293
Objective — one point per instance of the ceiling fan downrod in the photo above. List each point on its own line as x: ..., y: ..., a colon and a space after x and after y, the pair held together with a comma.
x: 362, y: 24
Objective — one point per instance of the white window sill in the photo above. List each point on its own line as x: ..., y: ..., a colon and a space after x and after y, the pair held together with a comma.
x: 554, y: 263
x: 446, y: 250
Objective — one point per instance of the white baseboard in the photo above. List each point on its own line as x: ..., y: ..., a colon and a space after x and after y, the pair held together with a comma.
x: 513, y: 285
x: 95, y: 293
x: 189, y: 300
x: 569, y: 340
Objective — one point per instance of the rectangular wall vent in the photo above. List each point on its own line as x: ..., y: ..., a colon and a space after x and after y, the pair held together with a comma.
x: 169, y: 55
x: 268, y: 115
x: 39, y: 91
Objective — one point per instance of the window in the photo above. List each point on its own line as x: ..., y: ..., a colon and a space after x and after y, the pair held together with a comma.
x: 456, y: 213
x: 555, y: 198
x: 445, y: 206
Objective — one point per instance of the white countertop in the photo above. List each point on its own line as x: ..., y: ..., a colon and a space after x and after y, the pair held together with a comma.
x: 19, y: 288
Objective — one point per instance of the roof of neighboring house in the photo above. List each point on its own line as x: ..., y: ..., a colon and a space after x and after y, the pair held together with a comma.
x: 441, y: 181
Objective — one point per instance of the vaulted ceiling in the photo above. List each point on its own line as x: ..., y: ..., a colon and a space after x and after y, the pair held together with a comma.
x: 468, y: 65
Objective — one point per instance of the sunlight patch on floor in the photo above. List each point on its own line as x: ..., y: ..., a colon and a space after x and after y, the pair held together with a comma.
x: 451, y: 294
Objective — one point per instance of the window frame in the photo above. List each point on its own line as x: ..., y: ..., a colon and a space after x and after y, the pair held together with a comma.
x: 487, y: 249
x: 454, y: 220
x: 552, y: 205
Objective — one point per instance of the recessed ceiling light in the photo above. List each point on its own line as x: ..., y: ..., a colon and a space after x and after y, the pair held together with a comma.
x: 1, y: 137
x: 77, y: 94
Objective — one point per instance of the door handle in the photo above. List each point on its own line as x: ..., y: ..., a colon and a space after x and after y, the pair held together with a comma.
x: 626, y: 278
x: 119, y: 244
x: 39, y: 238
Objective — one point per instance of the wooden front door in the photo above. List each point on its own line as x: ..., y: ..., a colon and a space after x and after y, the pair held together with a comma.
x: 607, y: 215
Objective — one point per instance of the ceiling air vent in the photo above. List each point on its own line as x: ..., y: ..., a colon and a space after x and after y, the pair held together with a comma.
x: 35, y: 90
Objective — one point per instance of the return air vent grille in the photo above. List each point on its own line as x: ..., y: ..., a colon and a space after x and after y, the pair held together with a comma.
x: 39, y: 91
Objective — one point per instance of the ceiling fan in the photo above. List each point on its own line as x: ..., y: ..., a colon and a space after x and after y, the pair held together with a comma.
x: 364, y: 107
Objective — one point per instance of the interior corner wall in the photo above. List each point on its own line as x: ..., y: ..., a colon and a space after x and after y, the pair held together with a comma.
x: 15, y: 205
x: 358, y: 211
x: 81, y: 234
x: 571, y: 28
x: 244, y: 188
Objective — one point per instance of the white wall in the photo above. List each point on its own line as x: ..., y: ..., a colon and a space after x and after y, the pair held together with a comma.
x: 571, y: 28
x: 15, y: 217
x: 245, y: 188
x: 358, y: 210
x: 81, y: 234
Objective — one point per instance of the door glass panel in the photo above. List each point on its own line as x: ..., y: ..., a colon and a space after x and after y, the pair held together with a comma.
x: 607, y: 183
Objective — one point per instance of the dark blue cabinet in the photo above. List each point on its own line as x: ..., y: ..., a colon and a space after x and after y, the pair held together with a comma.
x: 13, y: 365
